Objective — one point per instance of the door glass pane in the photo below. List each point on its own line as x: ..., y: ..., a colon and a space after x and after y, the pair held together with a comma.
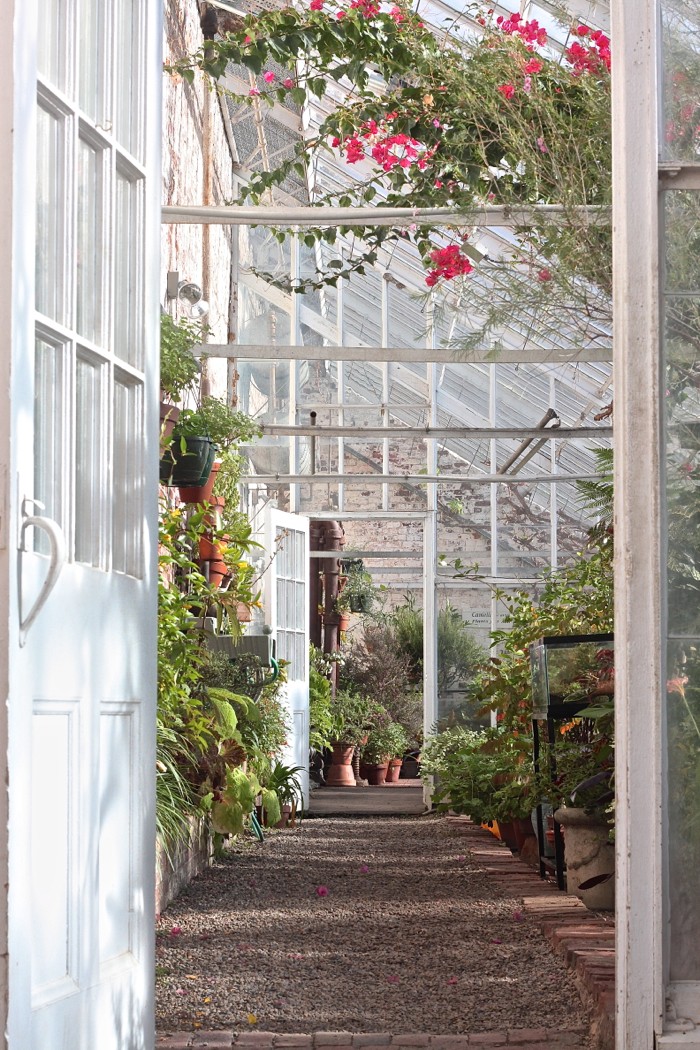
x: 49, y: 435
x: 51, y: 42
x: 91, y: 55
x: 128, y: 249
x: 90, y: 246
x: 126, y: 88
x: 89, y: 460
x: 50, y: 214
x: 681, y: 306
x: 680, y: 137
x: 127, y: 478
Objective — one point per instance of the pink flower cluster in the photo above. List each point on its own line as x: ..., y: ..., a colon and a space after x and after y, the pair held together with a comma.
x: 386, y: 149
x: 449, y: 263
x: 592, y: 58
x: 530, y: 32
x: 367, y: 8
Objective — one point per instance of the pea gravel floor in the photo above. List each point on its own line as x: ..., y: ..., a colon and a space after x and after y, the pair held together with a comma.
x: 356, y: 925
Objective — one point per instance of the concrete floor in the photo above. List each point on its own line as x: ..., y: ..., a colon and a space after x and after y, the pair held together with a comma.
x: 404, y: 798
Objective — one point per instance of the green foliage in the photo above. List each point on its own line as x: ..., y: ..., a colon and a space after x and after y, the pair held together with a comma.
x: 353, y: 717
x: 179, y: 369
x: 284, y: 781
x: 377, y: 667
x: 485, y: 774
x: 358, y: 594
x: 235, y: 803
x: 320, y: 710
x: 459, y: 655
x: 214, y: 419
x: 385, y: 742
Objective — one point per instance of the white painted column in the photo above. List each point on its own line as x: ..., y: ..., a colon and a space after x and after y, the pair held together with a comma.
x: 430, y: 641
x: 638, y: 605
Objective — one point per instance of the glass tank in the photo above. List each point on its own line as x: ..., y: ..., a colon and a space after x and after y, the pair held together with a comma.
x: 570, y: 670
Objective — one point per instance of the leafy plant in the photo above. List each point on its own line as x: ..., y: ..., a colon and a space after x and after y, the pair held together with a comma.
x: 358, y: 594
x: 179, y: 368
x: 385, y: 742
x: 320, y: 710
x: 214, y: 419
x: 353, y: 717
x: 377, y: 667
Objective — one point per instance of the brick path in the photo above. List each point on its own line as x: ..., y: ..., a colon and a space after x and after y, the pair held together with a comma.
x: 526, y: 1038
x: 585, y: 942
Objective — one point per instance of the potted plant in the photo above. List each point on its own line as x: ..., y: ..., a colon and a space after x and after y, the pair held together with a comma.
x: 179, y: 368
x: 386, y: 740
x: 358, y: 592
x: 198, y: 434
x: 284, y: 781
x: 353, y: 716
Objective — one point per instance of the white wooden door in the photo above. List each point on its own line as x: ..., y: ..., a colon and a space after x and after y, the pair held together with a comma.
x: 286, y: 585
x: 83, y: 516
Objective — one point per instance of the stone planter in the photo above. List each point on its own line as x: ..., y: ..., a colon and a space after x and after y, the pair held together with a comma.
x: 588, y: 853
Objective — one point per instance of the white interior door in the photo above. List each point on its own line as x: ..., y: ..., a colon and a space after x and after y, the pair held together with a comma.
x: 286, y: 585
x: 84, y: 479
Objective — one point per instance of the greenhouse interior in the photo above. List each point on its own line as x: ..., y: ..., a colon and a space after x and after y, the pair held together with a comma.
x: 353, y: 700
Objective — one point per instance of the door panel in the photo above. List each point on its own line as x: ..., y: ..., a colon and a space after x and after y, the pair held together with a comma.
x: 82, y: 682
x: 287, y: 608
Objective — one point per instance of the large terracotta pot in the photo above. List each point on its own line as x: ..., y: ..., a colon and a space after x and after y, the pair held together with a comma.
x: 169, y: 415
x: 394, y: 770
x: 340, y: 772
x: 588, y: 853
x: 376, y: 773
x: 216, y: 571
x: 200, y: 493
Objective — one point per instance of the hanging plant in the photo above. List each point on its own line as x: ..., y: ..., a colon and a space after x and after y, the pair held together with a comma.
x: 495, y: 118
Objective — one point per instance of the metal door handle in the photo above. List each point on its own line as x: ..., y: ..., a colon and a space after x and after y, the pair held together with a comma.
x: 57, y: 559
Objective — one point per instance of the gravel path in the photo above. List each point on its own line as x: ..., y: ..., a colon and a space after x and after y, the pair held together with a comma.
x: 357, y: 925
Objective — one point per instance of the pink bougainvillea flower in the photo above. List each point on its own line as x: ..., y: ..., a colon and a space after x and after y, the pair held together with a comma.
x: 518, y: 916
x: 180, y: 991
x: 248, y: 40
x: 364, y: 868
x: 453, y: 980
x: 461, y: 857
x: 507, y: 90
x: 436, y: 123
x: 527, y: 85
x: 175, y: 931
x: 544, y: 275
x: 449, y: 263
x: 288, y: 83
x: 269, y: 77
x: 393, y: 979
x: 322, y: 891
x: 438, y: 185
x: 253, y: 92
x: 533, y: 66
x: 316, y: 5
x: 542, y: 145
x: 582, y: 30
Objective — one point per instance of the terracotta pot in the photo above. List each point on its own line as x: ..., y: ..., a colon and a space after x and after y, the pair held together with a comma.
x: 343, y: 621
x: 394, y: 770
x: 340, y: 772
x: 522, y: 826
x: 213, y: 515
x: 209, y: 550
x: 506, y: 832
x: 244, y: 613
x: 200, y: 493
x: 286, y: 814
x: 169, y: 415
x: 215, y: 570
x: 376, y: 773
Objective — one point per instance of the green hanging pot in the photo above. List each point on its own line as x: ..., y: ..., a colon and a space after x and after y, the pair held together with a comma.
x: 178, y: 467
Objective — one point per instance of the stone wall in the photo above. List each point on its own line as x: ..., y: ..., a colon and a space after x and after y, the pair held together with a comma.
x: 176, y: 868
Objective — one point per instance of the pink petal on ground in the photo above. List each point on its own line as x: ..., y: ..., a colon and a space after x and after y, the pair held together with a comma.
x: 364, y: 868
x: 322, y: 891
x: 175, y: 931
x: 393, y: 979
x: 518, y: 916
x: 496, y: 940
x: 453, y: 980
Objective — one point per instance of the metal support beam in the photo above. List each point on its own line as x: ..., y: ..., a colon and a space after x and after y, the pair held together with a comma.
x: 414, y: 479
x: 413, y: 354
x: 440, y: 433
x: 501, y: 215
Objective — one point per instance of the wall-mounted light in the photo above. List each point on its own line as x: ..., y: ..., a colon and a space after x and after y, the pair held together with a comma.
x: 188, y: 293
